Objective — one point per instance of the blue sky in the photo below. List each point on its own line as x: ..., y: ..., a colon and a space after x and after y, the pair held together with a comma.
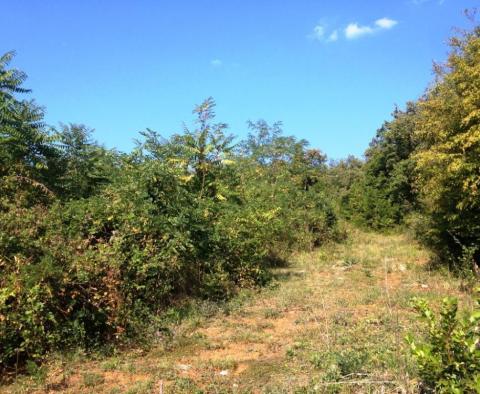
x: 332, y: 71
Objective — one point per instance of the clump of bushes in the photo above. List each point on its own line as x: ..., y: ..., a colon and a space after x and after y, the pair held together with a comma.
x: 95, y: 244
x: 448, y: 358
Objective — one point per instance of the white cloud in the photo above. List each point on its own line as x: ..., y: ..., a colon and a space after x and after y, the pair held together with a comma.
x: 354, y: 30
x: 333, y: 36
x: 216, y: 63
x: 385, y: 23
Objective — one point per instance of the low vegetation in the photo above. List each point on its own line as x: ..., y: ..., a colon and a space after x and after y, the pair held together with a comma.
x: 334, y: 320
x: 449, y: 360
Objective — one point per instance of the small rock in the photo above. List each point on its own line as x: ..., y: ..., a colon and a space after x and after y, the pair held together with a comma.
x: 224, y: 372
x: 424, y: 286
x: 402, y: 267
x: 184, y: 367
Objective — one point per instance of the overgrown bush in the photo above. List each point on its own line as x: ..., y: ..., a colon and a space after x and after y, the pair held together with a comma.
x: 382, y: 194
x: 448, y: 358
x: 95, y: 245
x: 447, y: 158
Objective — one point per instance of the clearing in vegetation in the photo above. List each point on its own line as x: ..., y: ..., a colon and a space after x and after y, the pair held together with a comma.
x: 333, y: 320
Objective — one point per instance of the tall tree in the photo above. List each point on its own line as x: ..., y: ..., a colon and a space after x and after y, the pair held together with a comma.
x: 85, y: 165
x: 384, y: 193
x: 448, y: 157
x: 28, y: 159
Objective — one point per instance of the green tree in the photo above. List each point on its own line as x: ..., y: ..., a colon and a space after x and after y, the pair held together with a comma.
x: 341, y: 176
x: 448, y: 155
x: 201, y: 152
x: 27, y: 156
x: 384, y: 193
x: 86, y: 166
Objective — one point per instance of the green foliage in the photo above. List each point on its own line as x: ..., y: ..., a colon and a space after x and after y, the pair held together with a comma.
x: 448, y: 157
x: 95, y: 245
x: 449, y: 357
x: 341, y: 177
x: 288, y: 181
x: 86, y: 166
x: 383, y: 194
x: 27, y: 157
x: 92, y: 379
x: 422, y: 168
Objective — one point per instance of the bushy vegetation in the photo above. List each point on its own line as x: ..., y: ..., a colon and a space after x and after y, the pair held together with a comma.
x: 449, y: 358
x: 422, y: 168
x: 383, y: 194
x: 448, y: 157
x: 94, y: 244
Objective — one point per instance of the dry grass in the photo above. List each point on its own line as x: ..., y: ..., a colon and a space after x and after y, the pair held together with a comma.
x: 334, y: 321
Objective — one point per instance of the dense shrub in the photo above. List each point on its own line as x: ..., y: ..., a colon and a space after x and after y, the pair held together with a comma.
x: 448, y: 156
x: 94, y: 244
x: 449, y: 357
x: 383, y: 193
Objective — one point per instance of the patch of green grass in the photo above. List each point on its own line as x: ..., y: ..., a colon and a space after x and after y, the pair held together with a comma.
x: 317, y: 360
x: 111, y: 364
x: 350, y: 261
x: 37, y: 372
x: 91, y: 379
x: 247, y: 336
x: 141, y: 388
x: 223, y: 364
x: 371, y: 295
x: 351, y: 361
x: 184, y: 386
x: 271, y: 313
x: 290, y: 353
x: 264, y: 325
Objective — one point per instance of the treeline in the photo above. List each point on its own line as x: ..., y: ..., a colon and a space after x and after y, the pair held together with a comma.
x: 94, y: 243
x: 422, y: 169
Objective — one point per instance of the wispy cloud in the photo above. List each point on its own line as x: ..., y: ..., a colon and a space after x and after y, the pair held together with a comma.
x: 318, y: 33
x: 354, y: 30
x: 321, y: 33
x: 385, y: 23
x: 216, y: 63
x: 333, y: 36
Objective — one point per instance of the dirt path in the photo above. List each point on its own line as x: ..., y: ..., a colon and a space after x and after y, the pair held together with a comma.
x: 334, y: 321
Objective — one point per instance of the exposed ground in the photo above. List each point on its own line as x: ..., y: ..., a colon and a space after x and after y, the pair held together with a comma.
x: 333, y: 321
